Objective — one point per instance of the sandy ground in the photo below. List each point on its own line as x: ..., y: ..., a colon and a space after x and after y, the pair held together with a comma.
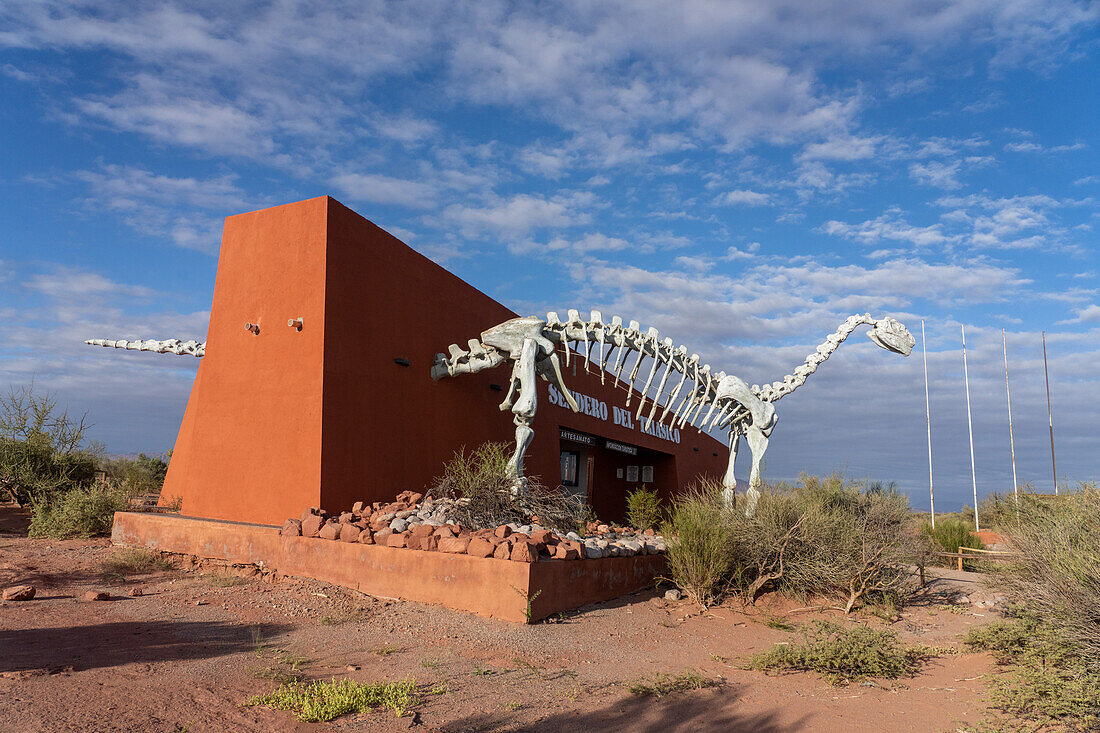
x: 196, y: 644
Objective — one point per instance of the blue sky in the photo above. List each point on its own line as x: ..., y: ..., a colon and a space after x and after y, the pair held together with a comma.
x: 741, y: 175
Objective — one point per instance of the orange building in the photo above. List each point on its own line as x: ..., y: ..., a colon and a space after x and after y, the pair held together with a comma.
x: 339, y: 406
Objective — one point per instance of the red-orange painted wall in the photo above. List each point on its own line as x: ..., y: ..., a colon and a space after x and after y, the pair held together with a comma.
x: 283, y: 420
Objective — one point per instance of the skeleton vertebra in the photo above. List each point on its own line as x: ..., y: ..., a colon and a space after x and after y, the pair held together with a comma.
x: 729, y: 403
x: 170, y: 346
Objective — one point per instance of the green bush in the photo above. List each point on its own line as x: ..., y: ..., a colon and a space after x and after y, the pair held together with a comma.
x: 1045, y: 683
x: 643, y: 508
x: 700, y: 536
x: 320, y: 701
x: 85, y: 511
x: 842, y: 653
x: 143, y: 475
x: 950, y: 533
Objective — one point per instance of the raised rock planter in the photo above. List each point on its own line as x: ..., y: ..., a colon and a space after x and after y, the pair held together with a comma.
x: 488, y: 586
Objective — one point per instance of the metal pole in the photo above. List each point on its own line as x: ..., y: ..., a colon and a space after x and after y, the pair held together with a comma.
x: 970, y: 425
x: 1011, y: 440
x: 1050, y: 415
x: 928, y: 422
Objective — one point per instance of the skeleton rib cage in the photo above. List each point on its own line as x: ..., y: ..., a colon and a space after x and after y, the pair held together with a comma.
x: 612, y: 346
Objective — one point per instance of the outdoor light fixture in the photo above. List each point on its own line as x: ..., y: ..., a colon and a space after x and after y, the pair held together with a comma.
x: 253, y: 328
x: 295, y: 323
x: 401, y: 361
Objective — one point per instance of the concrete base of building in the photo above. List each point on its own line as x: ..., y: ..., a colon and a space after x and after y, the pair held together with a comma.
x: 489, y: 587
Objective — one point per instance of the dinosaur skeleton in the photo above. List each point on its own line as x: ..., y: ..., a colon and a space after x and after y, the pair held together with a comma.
x: 711, y: 401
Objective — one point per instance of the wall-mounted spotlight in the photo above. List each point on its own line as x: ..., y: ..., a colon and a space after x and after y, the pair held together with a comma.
x: 252, y: 328
x: 401, y: 361
x: 295, y: 323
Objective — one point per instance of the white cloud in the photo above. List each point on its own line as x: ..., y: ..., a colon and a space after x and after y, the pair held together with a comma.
x: 886, y: 227
x: 745, y: 197
x: 69, y: 283
x: 521, y: 213
x: 935, y: 173
x: 381, y: 189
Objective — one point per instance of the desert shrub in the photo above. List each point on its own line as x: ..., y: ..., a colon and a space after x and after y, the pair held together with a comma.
x: 41, y: 454
x: 1058, y: 574
x: 837, y: 540
x: 1045, y: 683
x: 143, y: 475
x: 842, y: 653
x: 320, y: 701
x: 84, y: 511
x: 666, y: 684
x: 643, y: 508
x: 480, y: 484
x: 950, y: 533
x: 822, y: 537
x: 127, y: 561
x: 700, y: 532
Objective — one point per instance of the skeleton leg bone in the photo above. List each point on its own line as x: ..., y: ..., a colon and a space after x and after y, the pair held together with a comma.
x: 729, y: 481
x: 758, y: 444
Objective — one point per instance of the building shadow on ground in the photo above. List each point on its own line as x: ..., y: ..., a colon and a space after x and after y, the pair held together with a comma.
x: 112, y: 644
x: 707, y: 711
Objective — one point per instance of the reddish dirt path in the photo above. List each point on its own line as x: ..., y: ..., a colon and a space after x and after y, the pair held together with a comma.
x: 161, y: 662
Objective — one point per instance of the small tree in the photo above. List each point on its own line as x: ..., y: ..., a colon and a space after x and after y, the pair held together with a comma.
x: 643, y: 508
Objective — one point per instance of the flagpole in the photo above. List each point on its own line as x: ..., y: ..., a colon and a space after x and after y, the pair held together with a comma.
x: 1050, y: 415
x: 970, y: 426
x: 1011, y: 439
x: 928, y: 422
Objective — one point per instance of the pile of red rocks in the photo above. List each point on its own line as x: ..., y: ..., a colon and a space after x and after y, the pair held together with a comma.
x: 419, y: 523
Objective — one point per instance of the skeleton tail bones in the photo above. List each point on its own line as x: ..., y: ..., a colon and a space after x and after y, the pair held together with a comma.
x: 713, y: 400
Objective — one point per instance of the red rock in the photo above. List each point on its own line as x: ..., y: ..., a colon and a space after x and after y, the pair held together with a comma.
x: 311, y: 525
x: 365, y: 537
x: 361, y: 524
x: 421, y: 530
x: 135, y: 592
x: 97, y: 595
x: 572, y: 552
x: 542, y: 536
x: 444, y: 531
x: 376, y: 505
x: 19, y: 593
x: 397, y: 539
x: 503, y: 551
x: 455, y: 545
x: 349, y: 533
x: 330, y: 531
x: 524, y: 552
x: 379, y: 525
x: 427, y: 543
x: 291, y: 528
x: 346, y: 518
x: 382, y: 535
x: 415, y: 498
x: 503, y: 531
x: 480, y: 547
x: 358, y: 507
